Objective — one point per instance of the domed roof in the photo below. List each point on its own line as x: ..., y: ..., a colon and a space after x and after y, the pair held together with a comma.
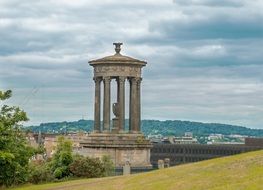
x: 117, y: 58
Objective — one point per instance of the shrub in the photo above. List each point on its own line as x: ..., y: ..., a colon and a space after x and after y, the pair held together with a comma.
x: 62, y: 158
x: 107, y: 165
x: 87, y: 167
x: 58, y: 173
x: 61, y: 172
x: 39, y: 172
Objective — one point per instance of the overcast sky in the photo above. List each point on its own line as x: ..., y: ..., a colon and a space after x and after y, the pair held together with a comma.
x: 205, y: 57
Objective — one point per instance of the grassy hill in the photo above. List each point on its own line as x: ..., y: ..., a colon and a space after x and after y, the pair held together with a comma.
x: 239, y: 172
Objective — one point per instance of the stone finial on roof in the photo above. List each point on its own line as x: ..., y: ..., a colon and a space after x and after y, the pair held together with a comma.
x: 117, y: 47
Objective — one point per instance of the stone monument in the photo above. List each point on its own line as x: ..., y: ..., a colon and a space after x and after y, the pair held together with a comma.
x: 127, y: 168
x: 109, y: 136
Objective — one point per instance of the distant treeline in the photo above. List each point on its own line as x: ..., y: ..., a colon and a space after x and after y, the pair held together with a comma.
x: 165, y: 128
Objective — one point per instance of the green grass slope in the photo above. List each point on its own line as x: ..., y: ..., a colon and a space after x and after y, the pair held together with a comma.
x: 239, y: 172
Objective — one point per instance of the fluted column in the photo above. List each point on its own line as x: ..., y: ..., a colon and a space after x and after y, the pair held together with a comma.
x: 121, y: 101
x: 138, y: 85
x: 133, y: 105
x: 130, y: 105
x: 106, y: 104
x: 97, y: 105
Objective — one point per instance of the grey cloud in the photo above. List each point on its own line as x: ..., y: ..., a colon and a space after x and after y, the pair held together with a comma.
x: 218, y: 28
x: 211, y: 3
x: 204, y: 56
x: 220, y: 99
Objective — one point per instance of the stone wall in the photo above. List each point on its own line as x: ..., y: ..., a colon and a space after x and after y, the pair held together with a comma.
x: 133, y: 148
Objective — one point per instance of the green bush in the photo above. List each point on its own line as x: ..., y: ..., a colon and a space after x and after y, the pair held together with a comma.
x: 62, y: 158
x: 87, y: 167
x: 107, y: 165
x: 58, y: 173
x: 61, y: 172
x: 39, y: 172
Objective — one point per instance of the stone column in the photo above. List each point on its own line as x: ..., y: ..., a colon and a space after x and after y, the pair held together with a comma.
x: 130, y: 105
x: 106, y: 104
x: 133, y: 105
x: 118, y: 90
x: 138, y: 120
x: 97, y: 105
x: 121, y: 101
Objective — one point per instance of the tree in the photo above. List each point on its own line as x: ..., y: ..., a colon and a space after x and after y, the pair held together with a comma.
x: 14, y: 149
x: 62, y: 158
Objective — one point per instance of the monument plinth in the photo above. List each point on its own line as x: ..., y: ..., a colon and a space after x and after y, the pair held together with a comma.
x: 111, y: 138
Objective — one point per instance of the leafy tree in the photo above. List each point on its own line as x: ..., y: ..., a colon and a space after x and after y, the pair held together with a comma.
x: 62, y: 158
x: 14, y: 149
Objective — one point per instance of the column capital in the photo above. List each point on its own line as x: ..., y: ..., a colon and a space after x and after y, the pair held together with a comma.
x: 135, y: 80
x: 122, y: 79
x: 106, y: 79
x: 97, y: 79
x: 138, y: 79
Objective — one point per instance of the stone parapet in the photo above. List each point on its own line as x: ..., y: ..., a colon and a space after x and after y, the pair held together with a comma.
x: 107, y: 140
x: 121, y: 148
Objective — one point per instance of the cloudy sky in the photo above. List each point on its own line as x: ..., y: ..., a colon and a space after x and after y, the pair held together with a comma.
x: 205, y: 57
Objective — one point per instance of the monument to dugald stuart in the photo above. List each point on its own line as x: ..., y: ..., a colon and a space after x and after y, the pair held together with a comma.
x: 109, y: 136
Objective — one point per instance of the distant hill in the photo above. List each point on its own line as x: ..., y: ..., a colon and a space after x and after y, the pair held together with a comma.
x: 166, y: 128
x: 243, y: 171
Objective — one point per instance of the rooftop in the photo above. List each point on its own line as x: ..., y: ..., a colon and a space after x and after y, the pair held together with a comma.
x: 117, y: 58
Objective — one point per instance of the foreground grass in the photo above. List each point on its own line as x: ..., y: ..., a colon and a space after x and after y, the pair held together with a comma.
x: 239, y: 172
